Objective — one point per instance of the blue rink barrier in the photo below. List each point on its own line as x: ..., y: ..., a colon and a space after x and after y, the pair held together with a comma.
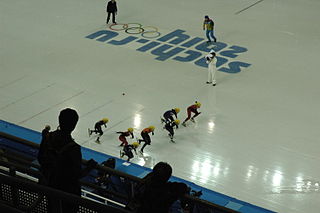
x: 121, y: 165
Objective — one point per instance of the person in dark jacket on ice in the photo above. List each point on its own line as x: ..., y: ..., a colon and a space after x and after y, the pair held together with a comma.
x: 111, y: 8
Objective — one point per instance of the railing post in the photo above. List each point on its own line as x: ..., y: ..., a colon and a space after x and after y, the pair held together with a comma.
x: 12, y: 171
x: 132, y: 191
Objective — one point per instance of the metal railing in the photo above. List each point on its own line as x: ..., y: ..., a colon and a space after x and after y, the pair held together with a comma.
x: 95, y: 191
x: 27, y: 196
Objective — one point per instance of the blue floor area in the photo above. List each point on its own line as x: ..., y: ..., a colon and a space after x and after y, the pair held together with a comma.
x: 130, y: 168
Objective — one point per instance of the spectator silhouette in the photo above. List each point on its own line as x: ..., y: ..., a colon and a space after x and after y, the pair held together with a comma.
x: 60, y: 159
x: 103, y: 177
x: 156, y: 194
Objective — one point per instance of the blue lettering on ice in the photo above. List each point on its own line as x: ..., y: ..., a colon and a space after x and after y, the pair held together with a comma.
x: 202, y: 62
x: 192, y: 42
x: 103, y: 34
x: 148, y: 46
x: 175, y: 46
x: 142, y: 41
x: 178, y: 35
x: 123, y: 41
x: 163, y: 53
x: 205, y: 47
x: 232, y: 53
x: 234, y: 67
x: 191, y: 55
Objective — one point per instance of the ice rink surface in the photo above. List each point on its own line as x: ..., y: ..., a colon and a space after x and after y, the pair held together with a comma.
x: 257, y: 138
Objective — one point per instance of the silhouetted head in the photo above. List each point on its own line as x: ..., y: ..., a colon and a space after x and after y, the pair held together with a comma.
x: 206, y: 18
x: 162, y: 172
x: 68, y: 119
x: 47, y: 127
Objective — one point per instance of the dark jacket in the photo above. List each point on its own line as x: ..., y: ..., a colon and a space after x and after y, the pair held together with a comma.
x: 60, y: 159
x: 112, y: 7
x: 170, y: 113
x: 157, y: 196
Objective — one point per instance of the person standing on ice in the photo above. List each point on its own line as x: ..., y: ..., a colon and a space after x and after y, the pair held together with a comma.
x: 208, y: 26
x: 111, y: 8
x: 211, y: 60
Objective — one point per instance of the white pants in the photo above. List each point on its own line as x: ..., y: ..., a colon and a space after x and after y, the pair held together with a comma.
x: 211, y: 73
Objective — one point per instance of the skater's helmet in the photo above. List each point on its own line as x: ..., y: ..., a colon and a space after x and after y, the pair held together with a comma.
x: 177, y: 110
x: 130, y: 130
x: 177, y: 122
x: 135, y: 144
x: 152, y: 128
x: 211, y: 51
x: 206, y: 16
x: 198, y: 104
x: 105, y: 120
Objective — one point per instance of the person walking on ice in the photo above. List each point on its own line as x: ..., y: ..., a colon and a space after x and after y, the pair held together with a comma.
x: 208, y: 26
x: 211, y: 60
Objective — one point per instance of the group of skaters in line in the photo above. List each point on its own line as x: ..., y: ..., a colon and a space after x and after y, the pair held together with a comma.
x: 62, y: 167
x: 169, y: 120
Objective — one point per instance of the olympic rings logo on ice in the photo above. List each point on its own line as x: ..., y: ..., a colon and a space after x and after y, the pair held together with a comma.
x: 137, y: 28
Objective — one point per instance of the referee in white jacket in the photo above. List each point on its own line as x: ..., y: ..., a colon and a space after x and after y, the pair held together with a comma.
x: 211, y: 60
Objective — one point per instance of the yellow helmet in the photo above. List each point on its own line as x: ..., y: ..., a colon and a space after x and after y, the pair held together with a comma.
x: 135, y: 144
x: 152, y: 128
x: 177, y: 110
x: 130, y: 130
x: 198, y: 104
x: 177, y: 122
x: 105, y: 120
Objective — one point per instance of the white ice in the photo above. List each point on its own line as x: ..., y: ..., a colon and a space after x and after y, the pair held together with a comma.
x: 257, y: 137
